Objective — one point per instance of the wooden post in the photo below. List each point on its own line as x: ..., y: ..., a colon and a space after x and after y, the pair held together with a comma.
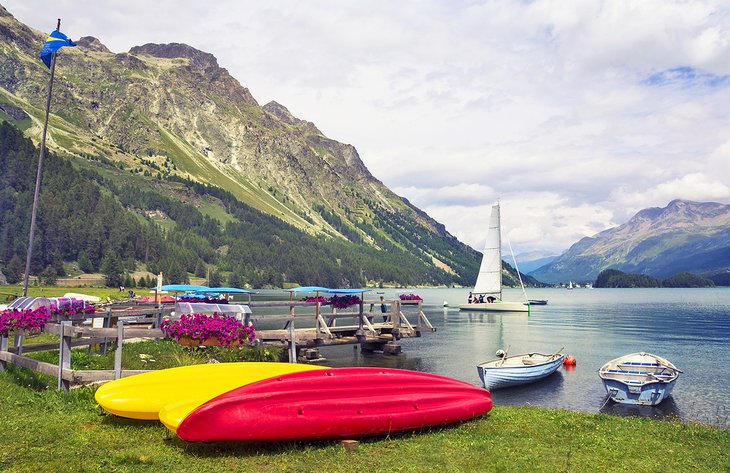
x: 106, y: 324
x: 64, y: 356
x: 118, y: 352
x: 394, y: 314
x: 19, y: 343
x: 3, y: 347
x: 292, y: 343
x: 158, y: 319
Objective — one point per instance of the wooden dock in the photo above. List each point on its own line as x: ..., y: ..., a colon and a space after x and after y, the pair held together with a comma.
x: 302, y: 331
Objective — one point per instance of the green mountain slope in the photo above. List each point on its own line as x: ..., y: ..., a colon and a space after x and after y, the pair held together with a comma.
x: 164, y: 126
x: 684, y: 236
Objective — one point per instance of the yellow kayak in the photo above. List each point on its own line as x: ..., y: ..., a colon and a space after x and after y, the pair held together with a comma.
x: 143, y: 396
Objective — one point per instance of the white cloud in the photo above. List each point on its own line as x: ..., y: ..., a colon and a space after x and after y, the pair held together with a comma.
x: 576, y: 114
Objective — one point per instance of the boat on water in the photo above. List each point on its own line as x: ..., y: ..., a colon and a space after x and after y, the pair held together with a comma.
x: 515, y: 370
x: 489, y: 280
x: 537, y: 301
x: 639, y: 378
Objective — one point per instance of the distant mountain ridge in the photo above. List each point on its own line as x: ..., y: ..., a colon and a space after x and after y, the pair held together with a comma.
x: 660, y: 242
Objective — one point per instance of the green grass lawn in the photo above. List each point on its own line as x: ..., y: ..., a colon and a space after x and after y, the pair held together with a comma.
x: 58, y: 291
x: 42, y: 430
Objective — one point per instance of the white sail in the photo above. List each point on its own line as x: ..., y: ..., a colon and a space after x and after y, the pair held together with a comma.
x: 489, y: 280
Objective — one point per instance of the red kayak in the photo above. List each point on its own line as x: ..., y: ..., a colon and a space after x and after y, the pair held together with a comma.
x: 337, y: 403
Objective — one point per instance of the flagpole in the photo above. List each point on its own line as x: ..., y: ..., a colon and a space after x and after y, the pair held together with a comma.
x: 40, y: 172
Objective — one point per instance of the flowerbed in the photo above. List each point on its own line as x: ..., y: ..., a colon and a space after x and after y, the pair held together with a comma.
x: 320, y: 299
x: 31, y: 321
x: 201, y: 327
x: 68, y: 307
x: 410, y: 297
x: 342, y: 302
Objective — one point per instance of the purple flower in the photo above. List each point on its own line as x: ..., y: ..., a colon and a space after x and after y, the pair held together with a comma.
x: 202, y: 327
x: 28, y: 320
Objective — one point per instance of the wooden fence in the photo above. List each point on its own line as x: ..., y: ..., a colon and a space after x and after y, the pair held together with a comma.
x: 302, y: 342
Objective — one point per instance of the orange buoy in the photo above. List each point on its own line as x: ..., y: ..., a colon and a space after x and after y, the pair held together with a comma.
x: 569, y: 360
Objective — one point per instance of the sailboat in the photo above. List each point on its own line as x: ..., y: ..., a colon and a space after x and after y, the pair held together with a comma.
x: 489, y: 280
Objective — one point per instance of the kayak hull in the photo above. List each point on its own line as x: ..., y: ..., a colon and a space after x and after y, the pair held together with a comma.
x: 337, y: 403
x: 142, y: 396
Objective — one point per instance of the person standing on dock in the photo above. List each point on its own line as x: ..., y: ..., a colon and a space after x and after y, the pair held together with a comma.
x: 383, y: 309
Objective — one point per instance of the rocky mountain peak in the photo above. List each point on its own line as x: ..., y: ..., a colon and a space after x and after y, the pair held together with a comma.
x: 177, y: 50
x: 4, y: 12
x: 92, y: 44
x: 280, y: 112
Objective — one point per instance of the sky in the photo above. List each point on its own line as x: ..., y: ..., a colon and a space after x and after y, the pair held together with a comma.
x: 574, y: 115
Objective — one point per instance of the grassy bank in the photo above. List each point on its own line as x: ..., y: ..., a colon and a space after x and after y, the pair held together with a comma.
x: 41, y: 430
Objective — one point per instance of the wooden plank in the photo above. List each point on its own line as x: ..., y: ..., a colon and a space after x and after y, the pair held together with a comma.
x: 54, y: 346
x: 89, y: 376
x: 112, y: 332
x: 30, y: 363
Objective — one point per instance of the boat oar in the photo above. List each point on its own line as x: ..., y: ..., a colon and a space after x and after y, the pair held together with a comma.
x: 504, y: 357
x: 556, y: 353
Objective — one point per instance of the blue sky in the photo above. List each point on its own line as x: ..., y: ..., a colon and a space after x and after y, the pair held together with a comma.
x: 574, y: 114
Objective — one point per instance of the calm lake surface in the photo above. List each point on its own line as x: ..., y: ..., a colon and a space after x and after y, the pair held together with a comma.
x: 689, y: 327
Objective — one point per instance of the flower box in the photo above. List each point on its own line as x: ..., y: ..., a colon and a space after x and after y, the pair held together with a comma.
x: 209, y: 330
x: 208, y: 342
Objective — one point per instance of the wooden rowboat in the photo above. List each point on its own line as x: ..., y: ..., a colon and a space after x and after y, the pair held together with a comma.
x: 639, y: 378
x: 518, y: 369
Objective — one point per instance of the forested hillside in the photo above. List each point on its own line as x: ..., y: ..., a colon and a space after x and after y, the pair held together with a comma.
x: 106, y: 218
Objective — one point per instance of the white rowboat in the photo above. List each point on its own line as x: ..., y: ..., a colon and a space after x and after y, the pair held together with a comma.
x: 639, y: 378
x: 518, y: 369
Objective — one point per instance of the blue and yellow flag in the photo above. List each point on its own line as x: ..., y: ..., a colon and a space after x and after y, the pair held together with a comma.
x: 56, y: 40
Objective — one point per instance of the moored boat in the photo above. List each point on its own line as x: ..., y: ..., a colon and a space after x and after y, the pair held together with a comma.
x: 487, y: 291
x: 639, y: 378
x: 518, y: 369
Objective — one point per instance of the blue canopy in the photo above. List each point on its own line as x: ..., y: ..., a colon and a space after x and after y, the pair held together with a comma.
x: 310, y: 289
x: 224, y: 290
x: 347, y: 291
x: 183, y: 288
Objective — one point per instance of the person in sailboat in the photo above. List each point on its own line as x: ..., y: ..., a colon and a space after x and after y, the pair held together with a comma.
x: 469, y: 299
x: 481, y: 298
x: 491, y: 299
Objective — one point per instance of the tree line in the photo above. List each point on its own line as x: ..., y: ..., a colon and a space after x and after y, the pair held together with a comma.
x: 618, y: 279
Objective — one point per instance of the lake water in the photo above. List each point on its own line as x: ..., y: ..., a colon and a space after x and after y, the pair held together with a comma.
x: 689, y: 327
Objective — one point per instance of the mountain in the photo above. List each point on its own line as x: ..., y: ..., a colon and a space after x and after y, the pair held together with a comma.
x: 167, y: 119
x: 535, y: 259
x: 684, y: 236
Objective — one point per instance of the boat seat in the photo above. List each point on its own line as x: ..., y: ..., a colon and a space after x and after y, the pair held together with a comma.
x: 529, y: 362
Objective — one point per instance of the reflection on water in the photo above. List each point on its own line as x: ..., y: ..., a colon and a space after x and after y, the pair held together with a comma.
x: 689, y: 327
x: 667, y: 409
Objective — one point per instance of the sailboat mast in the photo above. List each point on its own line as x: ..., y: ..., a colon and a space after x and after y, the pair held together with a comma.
x: 499, y: 246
